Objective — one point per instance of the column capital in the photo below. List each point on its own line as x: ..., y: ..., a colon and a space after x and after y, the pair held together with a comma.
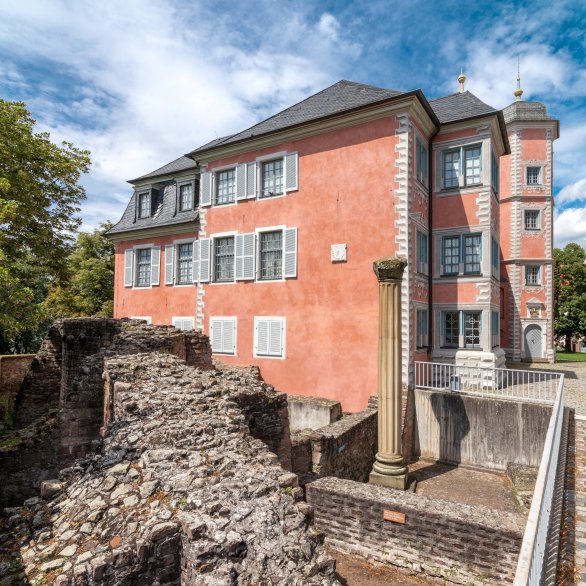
x: 389, y: 268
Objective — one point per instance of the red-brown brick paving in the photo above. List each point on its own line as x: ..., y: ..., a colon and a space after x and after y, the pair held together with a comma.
x: 464, y: 485
x: 355, y: 571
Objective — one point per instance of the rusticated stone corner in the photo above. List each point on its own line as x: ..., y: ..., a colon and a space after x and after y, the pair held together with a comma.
x: 389, y: 268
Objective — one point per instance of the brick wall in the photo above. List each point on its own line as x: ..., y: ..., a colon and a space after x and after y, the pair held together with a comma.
x: 458, y: 542
x: 344, y: 449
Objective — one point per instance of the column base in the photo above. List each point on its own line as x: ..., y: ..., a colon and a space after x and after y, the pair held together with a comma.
x: 398, y: 482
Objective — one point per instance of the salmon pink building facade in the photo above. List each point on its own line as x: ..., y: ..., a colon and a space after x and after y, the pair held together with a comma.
x: 265, y: 239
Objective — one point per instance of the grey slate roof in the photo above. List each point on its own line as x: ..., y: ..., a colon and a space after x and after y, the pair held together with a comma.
x: 176, y: 166
x: 343, y: 95
x: 525, y: 111
x: 165, y: 213
x: 459, y: 106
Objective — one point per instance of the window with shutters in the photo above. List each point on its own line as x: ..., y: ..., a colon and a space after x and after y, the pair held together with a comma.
x: 269, y: 337
x: 271, y: 255
x: 144, y: 205
x: 422, y: 328
x: 272, y: 178
x: 185, y: 263
x: 183, y: 323
x: 143, y: 267
x: 223, y: 335
x: 225, y: 187
x: 532, y: 275
x: 532, y: 220
x: 422, y: 159
x: 185, y: 196
x: 533, y: 176
x: 422, y: 252
x: 224, y: 259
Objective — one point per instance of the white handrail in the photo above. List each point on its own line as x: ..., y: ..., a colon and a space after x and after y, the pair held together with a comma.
x: 533, y: 549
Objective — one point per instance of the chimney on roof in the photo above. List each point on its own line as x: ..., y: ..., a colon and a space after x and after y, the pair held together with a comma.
x: 461, y: 80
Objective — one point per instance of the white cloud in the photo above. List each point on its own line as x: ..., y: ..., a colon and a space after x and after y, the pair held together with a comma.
x: 573, y: 192
x: 138, y: 88
x: 570, y: 226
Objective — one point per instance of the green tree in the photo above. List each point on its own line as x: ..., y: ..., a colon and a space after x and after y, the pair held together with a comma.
x: 39, y: 197
x: 87, y: 288
x: 570, y: 293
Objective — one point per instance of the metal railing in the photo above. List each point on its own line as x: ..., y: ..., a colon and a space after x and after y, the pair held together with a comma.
x: 504, y: 383
x: 530, y: 566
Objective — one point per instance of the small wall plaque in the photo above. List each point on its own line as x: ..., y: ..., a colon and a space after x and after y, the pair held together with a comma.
x: 394, y: 516
x: 338, y: 253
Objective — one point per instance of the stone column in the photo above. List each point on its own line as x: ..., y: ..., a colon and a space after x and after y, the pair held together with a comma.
x: 389, y: 468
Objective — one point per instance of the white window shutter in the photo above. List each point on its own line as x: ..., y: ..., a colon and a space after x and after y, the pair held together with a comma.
x: 245, y: 256
x: 128, y: 266
x: 205, y: 186
x: 291, y: 172
x: 169, y: 273
x: 196, y: 261
x: 262, y: 337
x: 238, y: 256
x: 155, y: 265
x: 240, y: 182
x: 251, y: 180
x: 248, y: 256
x: 275, y: 337
x: 176, y: 323
x: 204, y: 260
x: 216, y: 335
x: 228, y: 336
x: 290, y: 252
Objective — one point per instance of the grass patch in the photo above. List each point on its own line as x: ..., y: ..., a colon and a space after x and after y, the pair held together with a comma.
x: 10, y: 442
x: 572, y: 356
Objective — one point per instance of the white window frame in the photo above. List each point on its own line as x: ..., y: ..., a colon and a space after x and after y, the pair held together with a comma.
x: 527, y: 211
x: 181, y: 184
x: 461, y: 170
x: 214, y: 180
x: 461, y: 312
x: 176, y: 245
x: 222, y: 319
x: 146, y: 318
x: 213, y: 239
x: 539, y: 177
x: 188, y: 318
x: 258, y: 232
x: 135, y: 250
x: 539, y: 275
x: 149, y: 196
x: 283, y: 322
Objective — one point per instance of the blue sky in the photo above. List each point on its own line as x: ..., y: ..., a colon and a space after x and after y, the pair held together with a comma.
x: 141, y: 82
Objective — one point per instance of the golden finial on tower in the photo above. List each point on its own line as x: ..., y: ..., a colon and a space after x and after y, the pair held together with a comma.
x: 461, y: 80
x: 518, y: 92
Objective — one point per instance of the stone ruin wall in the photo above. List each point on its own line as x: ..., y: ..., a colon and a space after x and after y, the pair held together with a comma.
x: 13, y: 368
x: 181, y: 489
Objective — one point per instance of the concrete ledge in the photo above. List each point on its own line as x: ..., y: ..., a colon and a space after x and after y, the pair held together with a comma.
x: 312, y: 412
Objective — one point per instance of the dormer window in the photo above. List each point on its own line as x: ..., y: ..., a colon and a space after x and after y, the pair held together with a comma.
x: 272, y: 178
x: 144, y: 204
x: 185, y: 197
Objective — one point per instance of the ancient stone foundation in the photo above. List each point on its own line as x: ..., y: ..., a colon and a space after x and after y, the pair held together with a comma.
x: 180, y: 490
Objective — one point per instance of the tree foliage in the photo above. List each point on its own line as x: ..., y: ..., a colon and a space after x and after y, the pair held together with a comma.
x: 88, y: 285
x: 39, y: 197
x: 570, y: 292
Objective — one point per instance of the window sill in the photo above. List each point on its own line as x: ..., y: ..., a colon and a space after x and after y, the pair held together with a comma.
x: 224, y: 203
